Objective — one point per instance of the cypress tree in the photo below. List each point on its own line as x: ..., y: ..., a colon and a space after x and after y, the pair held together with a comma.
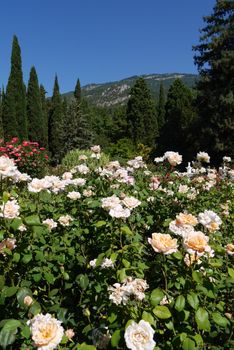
x: 1, y: 109
x: 34, y: 109
x: 77, y: 92
x: 215, y: 100
x: 161, y: 106
x: 77, y: 128
x: 44, y: 111
x: 56, y: 125
x: 141, y: 115
x: 178, y: 118
x: 14, y: 111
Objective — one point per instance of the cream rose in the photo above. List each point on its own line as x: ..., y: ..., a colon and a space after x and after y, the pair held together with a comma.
x: 46, y: 331
x: 139, y: 336
x: 186, y: 219
x: 163, y: 243
x: 197, y: 243
x: 10, y: 209
x: 230, y: 249
x: 131, y: 202
x: 174, y: 158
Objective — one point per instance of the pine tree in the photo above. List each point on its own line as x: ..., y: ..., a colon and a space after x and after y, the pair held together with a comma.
x: 178, y: 118
x: 34, y: 110
x: 141, y: 115
x: 44, y: 110
x: 215, y: 61
x: 56, y: 125
x: 77, y: 92
x: 161, y: 106
x: 14, y: 110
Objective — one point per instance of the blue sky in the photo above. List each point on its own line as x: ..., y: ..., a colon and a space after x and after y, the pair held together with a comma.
x: 100, y: 40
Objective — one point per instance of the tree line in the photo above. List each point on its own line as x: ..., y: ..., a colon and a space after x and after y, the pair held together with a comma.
x: 184, y: 120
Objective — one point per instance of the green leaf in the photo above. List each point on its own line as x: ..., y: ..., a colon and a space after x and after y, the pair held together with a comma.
x: 37, y: 277
x: 180, y: 303
x: 146, y: 316
x: 100, y: 223
x: 188, y: 344
x: 83, y: 281
x: 35, y: 308
x: 126, y: 230
x: 85, y: 346
x: 32, y: 220
x: 121, y: 274
x: 193, y: 300
x: 231, y: 272
x: 220, y: 320
x: 6, y: 338
x: 27, y: 258
x: 2, y: 281
x: 162, y: 312
x: 9, y: 291
x: 25, y: 332
x: 126, y: 263
x: 11, y: 325
x: 197, y: 276
x: 202, y: 319
x: 156, y: 296
x: 112, y: 317
x: 49, y: 277
x: 115, y: 338
x: 16, y: 257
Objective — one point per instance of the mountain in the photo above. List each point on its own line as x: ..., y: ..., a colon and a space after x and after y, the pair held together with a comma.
x: 117, y: 92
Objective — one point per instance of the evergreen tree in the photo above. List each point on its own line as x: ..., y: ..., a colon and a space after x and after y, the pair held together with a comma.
x: 77, y: 129
x: 141, y: 115
x: 77, y: 92
x: 34, y: 110
x: 44, y: 111
x: 14, y: 110
x: 161, y: 106
x: 1, y: 109
x: 178, y: 118
x: 56, y: 125
x: 215, y: 61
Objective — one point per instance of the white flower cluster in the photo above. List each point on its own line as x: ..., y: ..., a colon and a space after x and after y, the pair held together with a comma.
x: 120, y: 293
x: 115, y: 206
x: 50, y: 223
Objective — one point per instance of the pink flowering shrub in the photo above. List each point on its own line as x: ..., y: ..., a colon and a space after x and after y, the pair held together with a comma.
x: 29, y: 157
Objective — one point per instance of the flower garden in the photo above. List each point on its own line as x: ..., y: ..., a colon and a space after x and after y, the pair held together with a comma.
x: 106, y: 256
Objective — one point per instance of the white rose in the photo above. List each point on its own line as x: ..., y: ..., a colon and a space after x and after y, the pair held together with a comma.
x: 139, y: 336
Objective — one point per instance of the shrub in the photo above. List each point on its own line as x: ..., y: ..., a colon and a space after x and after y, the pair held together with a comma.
x: 29, y: 157
x: 103, y: 258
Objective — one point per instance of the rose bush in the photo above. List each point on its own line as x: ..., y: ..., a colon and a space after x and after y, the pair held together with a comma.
x: 29, y: 157
x: 82, y: 267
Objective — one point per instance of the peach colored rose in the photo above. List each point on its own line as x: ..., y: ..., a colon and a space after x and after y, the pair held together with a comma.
x: 163, y: 243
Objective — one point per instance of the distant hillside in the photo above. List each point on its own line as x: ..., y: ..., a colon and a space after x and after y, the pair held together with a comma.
x: 114, y: 93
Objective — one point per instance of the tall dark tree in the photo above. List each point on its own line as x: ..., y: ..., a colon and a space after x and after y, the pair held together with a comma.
x: 141, y: 114
x: 77, y: 92
x: 77, y: 128
x: 14, y: 111
x: 44, y: 111
x: 178, y: 118
x: 1, y: 109
x: 161, y: 106
x: 215, y: 61
x: 56, y: 125
x: 34, y: 110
